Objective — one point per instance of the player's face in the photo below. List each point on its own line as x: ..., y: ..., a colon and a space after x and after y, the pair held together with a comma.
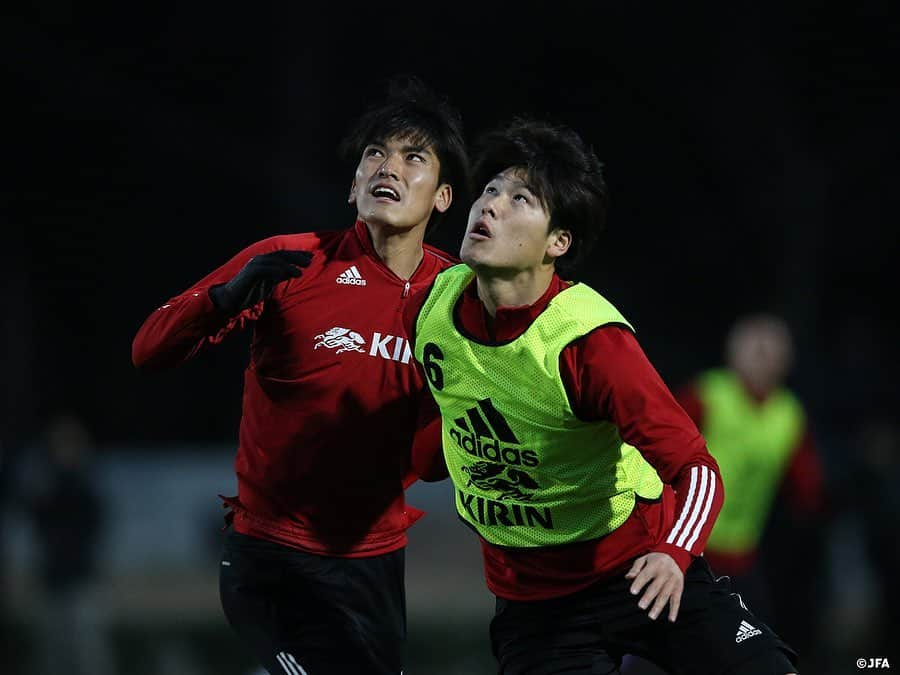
x: 397, y: 185
x: 761, y: 353
x: 508, y: 230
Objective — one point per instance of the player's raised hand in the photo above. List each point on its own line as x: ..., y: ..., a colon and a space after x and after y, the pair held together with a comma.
x: 663, y: 581
x: 258, y: 278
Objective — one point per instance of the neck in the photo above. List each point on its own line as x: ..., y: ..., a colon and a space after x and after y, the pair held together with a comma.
x: 522, y: 288
x: 759, y: 391
x: 399, y: 249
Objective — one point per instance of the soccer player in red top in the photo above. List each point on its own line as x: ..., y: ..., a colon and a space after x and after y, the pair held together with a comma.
x: 580, y: 604
x: 333, y: 407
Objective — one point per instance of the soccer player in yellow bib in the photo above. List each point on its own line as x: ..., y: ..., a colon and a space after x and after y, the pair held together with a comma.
x: 757, y: 430
x: 590, y: 488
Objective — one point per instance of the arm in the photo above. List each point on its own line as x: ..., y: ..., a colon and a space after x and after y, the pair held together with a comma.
x: 610, y: 378
x: 804, y: 482
x: 427, y: 453
x: 222, y: 302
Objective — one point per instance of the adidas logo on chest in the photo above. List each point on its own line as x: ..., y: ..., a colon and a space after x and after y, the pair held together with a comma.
x: 351, y: 277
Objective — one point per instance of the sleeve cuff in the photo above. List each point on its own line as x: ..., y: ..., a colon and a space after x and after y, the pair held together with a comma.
x: 681, y: 557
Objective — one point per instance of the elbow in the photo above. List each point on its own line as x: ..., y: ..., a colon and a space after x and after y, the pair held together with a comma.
x: 142, y: 355
x: 706, y: 457
x: 139, y: 357
x: 434, y: 476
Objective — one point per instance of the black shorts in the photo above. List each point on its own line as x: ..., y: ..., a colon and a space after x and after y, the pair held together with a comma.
x: 305, y: 614
x: 589, y: 632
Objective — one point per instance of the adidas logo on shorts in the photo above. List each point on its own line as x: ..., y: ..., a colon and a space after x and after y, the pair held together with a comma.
x: 351, y: 277
x: 745, y: 631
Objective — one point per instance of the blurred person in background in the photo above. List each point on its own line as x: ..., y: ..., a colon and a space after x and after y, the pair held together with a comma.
x: 312, y: 575
x: 67, y: 512
x: 591, y: 490
x: 769, y: 536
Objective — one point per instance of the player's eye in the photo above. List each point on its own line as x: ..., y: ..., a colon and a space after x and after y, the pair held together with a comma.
x: 415, y: 157
x: 373, y: 152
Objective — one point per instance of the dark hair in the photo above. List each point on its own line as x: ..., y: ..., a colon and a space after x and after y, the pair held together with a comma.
x: 563, y: 171
x: 412, y: 111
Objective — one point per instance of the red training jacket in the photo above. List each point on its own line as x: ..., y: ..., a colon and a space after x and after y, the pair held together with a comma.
x: 332, y: 403
x: 608, y: 377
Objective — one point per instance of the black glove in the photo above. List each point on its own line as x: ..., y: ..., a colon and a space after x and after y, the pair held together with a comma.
x: 256, y: 280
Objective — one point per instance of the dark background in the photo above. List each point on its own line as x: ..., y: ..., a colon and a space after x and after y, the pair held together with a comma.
x: 751, y: 151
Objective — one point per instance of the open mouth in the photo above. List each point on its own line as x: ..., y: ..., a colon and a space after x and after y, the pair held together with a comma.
x: 480, y: 231
x: 385, y: 192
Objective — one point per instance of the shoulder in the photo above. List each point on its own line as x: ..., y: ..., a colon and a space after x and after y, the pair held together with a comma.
x: 585, y: 308
x: 792, y: 400
x: 305, y: 241
x: 311, y: 242
x: 717, y: 379
x: 590, y: 297
x: 610, y: 338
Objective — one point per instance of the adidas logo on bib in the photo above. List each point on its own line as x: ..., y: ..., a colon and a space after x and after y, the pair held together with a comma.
x: 484, y: 433
x: 351, y: 277
x: 745, y: 631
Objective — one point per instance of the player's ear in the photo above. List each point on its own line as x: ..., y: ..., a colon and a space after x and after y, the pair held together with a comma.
x: 352, y: 198
x: 443, y: 197
x: 558, y: 243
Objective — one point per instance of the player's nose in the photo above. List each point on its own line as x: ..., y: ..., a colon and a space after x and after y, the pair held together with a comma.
x: 488, y: 206
x: 387, y: 169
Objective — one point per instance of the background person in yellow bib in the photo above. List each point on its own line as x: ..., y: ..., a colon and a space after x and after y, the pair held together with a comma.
x: 757, y: 430
x: 590, y: 488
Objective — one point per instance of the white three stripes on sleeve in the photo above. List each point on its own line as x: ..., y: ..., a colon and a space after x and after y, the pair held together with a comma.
x: 289, y: 663
x: 709, y: 500
x: 696, y: 508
